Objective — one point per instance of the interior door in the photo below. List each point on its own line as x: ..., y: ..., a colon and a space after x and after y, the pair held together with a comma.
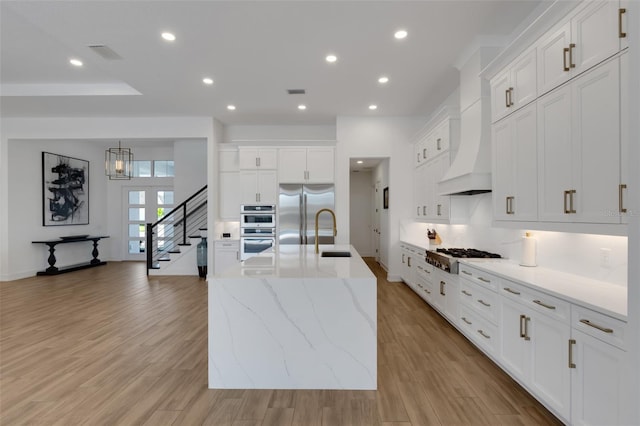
x: 377, y: 196
x: 145, y: 204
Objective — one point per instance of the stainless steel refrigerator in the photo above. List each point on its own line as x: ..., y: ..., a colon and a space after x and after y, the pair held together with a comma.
x: 297, y: 208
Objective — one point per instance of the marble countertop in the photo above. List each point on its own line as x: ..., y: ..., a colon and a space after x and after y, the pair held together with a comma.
x: 610, y: 299
x: 300, y: 261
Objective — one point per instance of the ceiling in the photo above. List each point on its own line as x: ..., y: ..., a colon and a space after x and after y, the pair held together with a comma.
x: 253, y: 50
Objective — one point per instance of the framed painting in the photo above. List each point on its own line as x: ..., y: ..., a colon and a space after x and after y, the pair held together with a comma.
x: 65, y: 190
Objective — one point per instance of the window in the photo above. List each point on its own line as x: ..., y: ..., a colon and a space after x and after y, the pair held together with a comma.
x: 141, y: 168
x: 163, y: 168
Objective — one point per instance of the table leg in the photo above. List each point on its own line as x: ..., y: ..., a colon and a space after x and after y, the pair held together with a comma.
x: 95, y: 253
x: 52, y: 258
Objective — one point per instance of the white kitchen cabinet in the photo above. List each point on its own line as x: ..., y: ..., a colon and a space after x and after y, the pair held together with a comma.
x: 579, y: 149
x: 230, y: 196
x: 624, y: 138
x: 429, y: 205
x: 445, y: 297
x: 590, y: 35
x: 515, y: 186
x: 306, y: 165
x: 227, y: 253
x: 258, y: 158
x: 421, y: 180
x: 514, y: 87
x: 258, y: 186
x: 228, y: 160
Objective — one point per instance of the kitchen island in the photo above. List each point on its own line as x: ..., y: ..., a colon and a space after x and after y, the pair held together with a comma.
x: 291, y: 319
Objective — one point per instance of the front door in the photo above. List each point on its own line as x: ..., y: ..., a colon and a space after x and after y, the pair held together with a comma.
x: 145, y: 204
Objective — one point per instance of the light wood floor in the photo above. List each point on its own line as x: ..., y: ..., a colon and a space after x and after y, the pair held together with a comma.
x: 108, y: 346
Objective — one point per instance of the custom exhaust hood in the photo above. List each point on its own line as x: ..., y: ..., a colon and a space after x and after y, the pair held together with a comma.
x: 470, y: 171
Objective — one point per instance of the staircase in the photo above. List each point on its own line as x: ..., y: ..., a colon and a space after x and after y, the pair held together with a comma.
x: 170, y: 237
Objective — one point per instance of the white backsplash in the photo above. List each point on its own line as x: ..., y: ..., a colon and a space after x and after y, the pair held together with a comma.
x: 578, y: 254
x: 231, y: 227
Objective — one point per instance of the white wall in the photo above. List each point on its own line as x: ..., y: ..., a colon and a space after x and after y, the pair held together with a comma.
x: 58, y: 132
x: 361, y: 207
x: 275, y: 134
x: 190, y: 167
x: 377, y: 137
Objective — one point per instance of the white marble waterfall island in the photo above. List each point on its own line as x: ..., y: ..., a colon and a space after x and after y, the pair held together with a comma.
x: 291, y: 319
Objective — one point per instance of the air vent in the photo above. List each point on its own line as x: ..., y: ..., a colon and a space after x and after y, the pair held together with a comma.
x: 105, y: 52
x: 296, y: 91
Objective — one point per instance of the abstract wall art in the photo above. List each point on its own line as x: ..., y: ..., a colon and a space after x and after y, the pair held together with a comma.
x: 65, y: 190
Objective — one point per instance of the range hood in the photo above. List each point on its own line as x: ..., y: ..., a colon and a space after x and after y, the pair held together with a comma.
x: 470, y: 171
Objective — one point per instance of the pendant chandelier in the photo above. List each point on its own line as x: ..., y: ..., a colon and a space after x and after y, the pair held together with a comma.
x: 118, y: 163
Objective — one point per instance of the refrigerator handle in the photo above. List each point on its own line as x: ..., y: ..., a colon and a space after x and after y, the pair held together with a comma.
x: 304, y: 212
x: 301, y: 214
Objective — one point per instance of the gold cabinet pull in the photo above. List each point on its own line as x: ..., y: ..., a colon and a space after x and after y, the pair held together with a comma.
x: 466, y: 293
x: 522, y: 320
x: 466, y: 272
x: 418, y: 157
x: 484, y: 280
x: 424, y: 153
x: 439, y: 209
x: 482, y: 302
x: 564, y: 59
x: 571, y: 194
x: 506, y: 98
x: 525, y: 320
x: 418, y: 211
x: 512, y: 291
x: 621, y: 188
x: 402, y: 257
x: 621, y: 11
x: 599, y: 327
x: 571, y: 64
x: 409, y: 261
x: 566, y: 210
x: 511, y: 96
x: 427, y: 291
x: 442, y: 284
x: 571, y: 343
x: 424, y: 210
x: 466, y: 320
x: 486, y: 336
x: 538, y: 302
x: 438, y: 144
x: 510, y: 205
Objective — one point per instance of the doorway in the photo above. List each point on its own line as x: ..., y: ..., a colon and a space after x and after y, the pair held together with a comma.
x: 145, y: 204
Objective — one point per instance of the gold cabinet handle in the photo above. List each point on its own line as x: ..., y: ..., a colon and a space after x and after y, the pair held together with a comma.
x: 510, y: 205
x: 571, y: 343
x: 418, y: 211
x: 599, y: 327
x: 442, y: 284
x: 517, y: 293
x: 484, y: 280
x: 403, y: 258
x: 566, y: 210
x: 466, y: 293
x: 506, y: 98
x: 424, y: 153
x: 438, y: 146
x: 524, y: 332
x: 564, y: 59
x: 482, y: 302
x: 621, y: 11
x: 621, y: 188
x: 538, y: 302
x: 427, y: 291
x: 571, y: 64
x: 571, y: 194
x: 418, y: 157
x: 424, y: 210
x: 486, y: 336
x: 466, y: 272
x: 511, y: 97
x: 409, y: 261
x: 466, y: 320
x: 439, y: 209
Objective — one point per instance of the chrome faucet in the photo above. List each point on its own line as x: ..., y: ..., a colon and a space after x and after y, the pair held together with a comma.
x: 335, y: 230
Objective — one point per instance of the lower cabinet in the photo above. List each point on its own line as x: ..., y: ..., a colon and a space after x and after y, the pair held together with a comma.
x: 227, y: 253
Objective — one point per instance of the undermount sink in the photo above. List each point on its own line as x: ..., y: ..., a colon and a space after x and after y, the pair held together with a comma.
x: 335, y: 254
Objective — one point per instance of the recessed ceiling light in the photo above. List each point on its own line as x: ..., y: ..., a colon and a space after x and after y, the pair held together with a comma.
x: 168, y: 36
x: 302, y: 107
x: 75, y: 62
x: 231, y: 107
x: 373, y: 106
x: 383, y: 80
x: 359, y: 162
x: 331, y: 58
x: 207, y: 80
x: 400, y: 34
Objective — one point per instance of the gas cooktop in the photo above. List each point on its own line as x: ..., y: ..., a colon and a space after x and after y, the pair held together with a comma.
x: 447, y: 258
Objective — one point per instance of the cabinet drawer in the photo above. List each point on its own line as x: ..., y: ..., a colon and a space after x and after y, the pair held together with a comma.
x: 477, y: 276
x: 424, y: 289
x: 234, y: 244
x: 478, y: 330
x: 479, y: 299
x: 600, y: 326
x: 425, y: 271
x: 536, y: 300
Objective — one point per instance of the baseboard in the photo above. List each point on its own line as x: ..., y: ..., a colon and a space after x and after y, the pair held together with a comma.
x: 394, y: 278
x: 18, y: 276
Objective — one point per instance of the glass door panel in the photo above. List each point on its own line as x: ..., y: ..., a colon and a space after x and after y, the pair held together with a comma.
x: 146, y: 205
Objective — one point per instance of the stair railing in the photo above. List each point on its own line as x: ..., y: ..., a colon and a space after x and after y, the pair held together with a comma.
x: 174, y: 229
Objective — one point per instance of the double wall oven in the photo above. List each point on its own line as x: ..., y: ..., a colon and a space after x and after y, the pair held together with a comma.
x: 257, y: 229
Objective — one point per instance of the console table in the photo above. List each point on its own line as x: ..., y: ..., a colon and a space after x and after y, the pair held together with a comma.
x: 53, y: 270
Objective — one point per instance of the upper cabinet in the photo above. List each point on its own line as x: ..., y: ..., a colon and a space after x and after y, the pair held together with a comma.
x: 435, y: 141
x: 306, y: 165
x: 514, y: 87
x: 258, y: 158
x: 594, y: 32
